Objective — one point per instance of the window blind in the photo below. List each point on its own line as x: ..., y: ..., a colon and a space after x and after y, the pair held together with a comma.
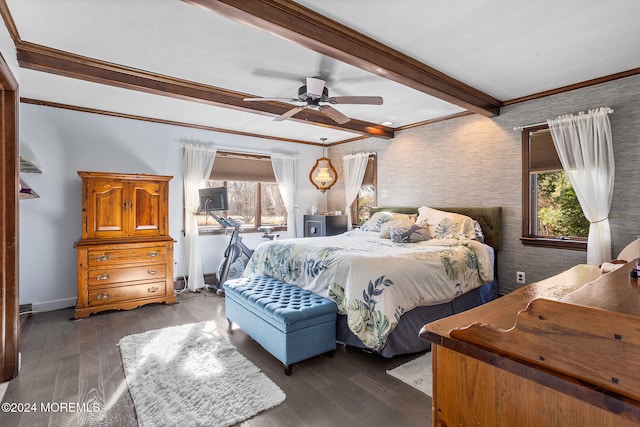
x: 542, y: 153
x: 242, y: 167
x: 370, y: 172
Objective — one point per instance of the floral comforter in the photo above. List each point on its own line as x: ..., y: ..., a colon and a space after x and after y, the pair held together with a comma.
x: 372, y: 280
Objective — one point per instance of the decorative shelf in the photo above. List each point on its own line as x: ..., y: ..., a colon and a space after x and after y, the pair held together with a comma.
x: 27, y: 166
x: 26, y: 192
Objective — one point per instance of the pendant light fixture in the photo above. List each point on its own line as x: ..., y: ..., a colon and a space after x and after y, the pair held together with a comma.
x: 323, y: 175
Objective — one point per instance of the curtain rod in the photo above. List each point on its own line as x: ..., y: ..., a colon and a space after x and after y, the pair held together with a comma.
x: 608, y: 110
x: 529, y: 126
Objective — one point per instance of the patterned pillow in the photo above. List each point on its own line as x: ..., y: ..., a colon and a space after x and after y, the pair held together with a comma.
x: 375, y: 222
x: 446, y: 225
x: 399, y: 220
x: 409, y: 233
x: 478, y: 230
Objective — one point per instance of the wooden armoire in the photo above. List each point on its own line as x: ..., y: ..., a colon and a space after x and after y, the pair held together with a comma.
x: 125, y: 255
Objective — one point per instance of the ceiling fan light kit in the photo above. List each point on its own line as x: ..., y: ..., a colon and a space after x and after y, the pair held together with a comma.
x: 315, y: 87
x: 315, y: 95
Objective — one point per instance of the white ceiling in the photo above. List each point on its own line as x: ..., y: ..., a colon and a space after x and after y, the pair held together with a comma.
x: 505, y: 48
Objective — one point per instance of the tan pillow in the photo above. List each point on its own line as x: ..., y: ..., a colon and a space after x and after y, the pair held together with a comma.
x: 402, y: 220
x: 409, y: 233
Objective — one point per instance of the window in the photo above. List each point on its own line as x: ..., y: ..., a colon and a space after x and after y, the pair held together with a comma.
x: 551, y: 213
x: 254, y: 196
x: 366, y: 197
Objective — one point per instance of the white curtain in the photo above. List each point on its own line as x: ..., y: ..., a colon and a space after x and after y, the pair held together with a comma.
x: 285, y: 169
x: 585, y: 148
x: 353, y: 169
x: 197, y: 162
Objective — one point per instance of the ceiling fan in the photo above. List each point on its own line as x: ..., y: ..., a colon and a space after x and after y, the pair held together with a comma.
x: 315, y: 95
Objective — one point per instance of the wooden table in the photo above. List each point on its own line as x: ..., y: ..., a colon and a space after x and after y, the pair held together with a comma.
x: 477, y: 384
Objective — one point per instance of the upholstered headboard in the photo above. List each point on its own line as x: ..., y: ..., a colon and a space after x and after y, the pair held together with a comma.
x: 489, y: 218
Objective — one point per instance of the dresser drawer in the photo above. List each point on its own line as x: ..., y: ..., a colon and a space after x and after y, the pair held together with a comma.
x: 108, y: 256
x: 106, y: 276
x: 125, y: 293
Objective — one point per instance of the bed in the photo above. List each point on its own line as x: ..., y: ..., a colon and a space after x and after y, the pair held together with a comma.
x: 387, y: 290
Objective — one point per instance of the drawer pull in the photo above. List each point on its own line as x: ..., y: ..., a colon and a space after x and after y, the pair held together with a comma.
x: 100, y: 297
x: 153, y: 289
x: 104, y: 257
x: 102, y: 277
x: 153, y: 254
x: 152, y: 271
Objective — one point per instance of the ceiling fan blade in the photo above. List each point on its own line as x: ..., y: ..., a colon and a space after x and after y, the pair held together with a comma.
x: 288, y: 114
x: 370, y: 100
x: 272, y: 99
x: 334, y: 114
x: 315, y: 86
x: 277, y: 75
x: 326, y: 69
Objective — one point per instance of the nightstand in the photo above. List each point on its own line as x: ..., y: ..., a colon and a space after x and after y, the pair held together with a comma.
x: 324, y: 225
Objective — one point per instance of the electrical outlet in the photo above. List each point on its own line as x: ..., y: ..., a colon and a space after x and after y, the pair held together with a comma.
x: 520, y: 277
x: 384, y: 193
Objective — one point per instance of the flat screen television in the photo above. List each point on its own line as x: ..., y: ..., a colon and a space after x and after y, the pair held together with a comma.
x: 214, y: 199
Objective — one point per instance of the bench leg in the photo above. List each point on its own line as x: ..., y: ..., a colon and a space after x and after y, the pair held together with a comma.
x: 230, y: 323
x: 287, y: 369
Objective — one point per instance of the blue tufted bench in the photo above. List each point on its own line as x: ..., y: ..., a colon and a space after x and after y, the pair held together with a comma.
x: 290, y: 323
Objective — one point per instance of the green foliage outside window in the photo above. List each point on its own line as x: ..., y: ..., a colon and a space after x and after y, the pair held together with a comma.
x: 366, y: 199
x: 559, y: 212
x: 243, y: 204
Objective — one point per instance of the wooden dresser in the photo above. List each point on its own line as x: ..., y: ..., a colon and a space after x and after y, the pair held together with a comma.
x: 561, y: 352
x: 125, y: 255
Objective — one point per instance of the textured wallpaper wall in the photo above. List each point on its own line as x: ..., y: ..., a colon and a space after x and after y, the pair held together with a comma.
x: 477, y: 161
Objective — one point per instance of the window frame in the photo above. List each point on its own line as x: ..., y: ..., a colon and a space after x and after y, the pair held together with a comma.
x: 527, y: 238
x: 354, y: 205
x: 258, y: 206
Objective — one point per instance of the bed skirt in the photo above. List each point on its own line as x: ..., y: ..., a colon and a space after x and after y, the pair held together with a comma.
x: 404, y: 339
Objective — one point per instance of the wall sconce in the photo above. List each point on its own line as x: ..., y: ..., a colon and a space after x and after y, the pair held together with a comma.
x: 323, y: 175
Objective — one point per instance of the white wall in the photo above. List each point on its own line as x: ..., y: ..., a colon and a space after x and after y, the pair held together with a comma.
x: 63, y: 142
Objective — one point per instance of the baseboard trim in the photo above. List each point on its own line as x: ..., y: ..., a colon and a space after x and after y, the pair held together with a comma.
x: 210, y: 279
x: 53, y: 305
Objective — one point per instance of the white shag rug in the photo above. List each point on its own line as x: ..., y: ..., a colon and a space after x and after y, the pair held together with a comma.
x: 190, y: 376
x: 416, y: 373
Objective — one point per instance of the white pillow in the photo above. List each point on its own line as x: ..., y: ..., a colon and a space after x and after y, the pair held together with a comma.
x: 446, y: 225
x: 631, y: 251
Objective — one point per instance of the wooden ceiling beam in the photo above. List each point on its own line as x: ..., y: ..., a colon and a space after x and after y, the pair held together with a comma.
x: 45, y: 59
x: 300, y: 25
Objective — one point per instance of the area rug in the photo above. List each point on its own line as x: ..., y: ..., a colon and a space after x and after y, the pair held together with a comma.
x: 190, y: 376
x: 416, y: 373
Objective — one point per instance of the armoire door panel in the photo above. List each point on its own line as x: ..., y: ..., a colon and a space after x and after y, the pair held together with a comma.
x: 146, y: 207
x: 106, y: 209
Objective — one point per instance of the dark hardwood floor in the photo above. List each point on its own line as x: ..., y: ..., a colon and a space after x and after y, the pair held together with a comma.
x: 78, y: 362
